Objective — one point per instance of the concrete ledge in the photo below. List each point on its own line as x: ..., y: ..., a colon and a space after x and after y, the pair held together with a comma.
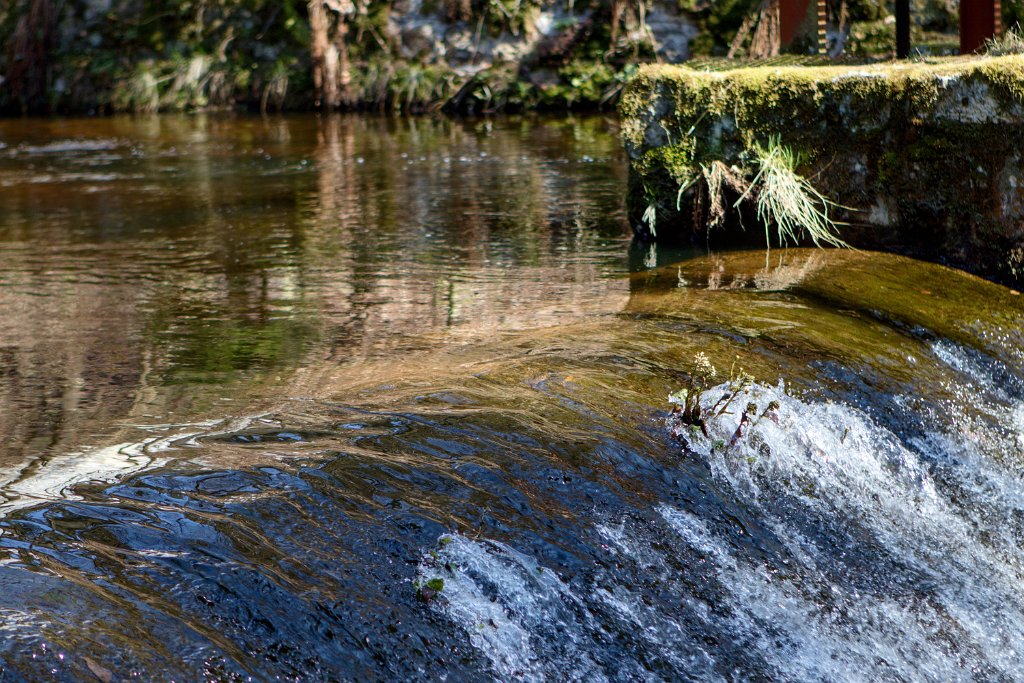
x: 928, y: 156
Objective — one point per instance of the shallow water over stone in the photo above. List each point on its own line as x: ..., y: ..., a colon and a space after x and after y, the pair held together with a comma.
x: 361, y: 399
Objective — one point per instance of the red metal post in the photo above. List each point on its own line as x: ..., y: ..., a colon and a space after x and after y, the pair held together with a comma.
x: 979, y: 21
x: 791, y: 14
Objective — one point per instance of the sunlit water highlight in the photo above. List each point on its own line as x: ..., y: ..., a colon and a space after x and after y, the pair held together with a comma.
x: 287, y: 374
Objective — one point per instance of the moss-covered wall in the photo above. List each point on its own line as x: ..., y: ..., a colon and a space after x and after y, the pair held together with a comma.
x: 926, y: 158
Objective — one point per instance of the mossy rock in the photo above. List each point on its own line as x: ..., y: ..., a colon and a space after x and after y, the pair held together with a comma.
x: 925, y: 157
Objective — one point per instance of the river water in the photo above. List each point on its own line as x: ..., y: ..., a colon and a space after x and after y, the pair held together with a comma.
x: 373, y: 399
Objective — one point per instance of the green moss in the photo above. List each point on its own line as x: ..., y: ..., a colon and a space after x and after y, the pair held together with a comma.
x: 679, y: 159
x: 709, y: 114
x: 869, y: 78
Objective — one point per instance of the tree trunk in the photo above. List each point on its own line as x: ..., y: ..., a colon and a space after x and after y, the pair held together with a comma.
x: 344, y: 74
x: 324, y: 55
x: 29, y: 48
x: 618, y: 9
x: 767, y: 39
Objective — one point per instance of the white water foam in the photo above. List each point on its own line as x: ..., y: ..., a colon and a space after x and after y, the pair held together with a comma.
x: 932, y: 594
x: 508, y: 604
x: 55, y: 477
x: 835, y: 462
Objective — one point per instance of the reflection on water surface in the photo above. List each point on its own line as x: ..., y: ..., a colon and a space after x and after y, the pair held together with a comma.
x: 152, y: 270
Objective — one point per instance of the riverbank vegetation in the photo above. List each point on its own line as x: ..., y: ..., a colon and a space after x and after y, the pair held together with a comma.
x: 102, y: 56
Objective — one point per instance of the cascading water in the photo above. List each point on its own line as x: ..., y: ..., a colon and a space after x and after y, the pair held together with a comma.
x: 385, y: 438
x: 852, y: 556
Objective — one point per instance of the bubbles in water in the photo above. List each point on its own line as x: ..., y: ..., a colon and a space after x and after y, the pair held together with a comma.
x: 520, y: 615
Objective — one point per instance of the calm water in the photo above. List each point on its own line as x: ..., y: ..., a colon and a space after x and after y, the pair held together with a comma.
x: 362, y: 399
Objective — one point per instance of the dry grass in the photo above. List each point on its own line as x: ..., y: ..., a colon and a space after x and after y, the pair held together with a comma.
x: 1010, y: 43
x: 788, y: 201
x: 718, y: 180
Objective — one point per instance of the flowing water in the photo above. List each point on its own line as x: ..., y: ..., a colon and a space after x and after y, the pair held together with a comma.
x: 372, y: 399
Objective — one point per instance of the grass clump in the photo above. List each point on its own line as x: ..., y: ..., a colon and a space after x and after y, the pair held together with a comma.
x: 1010, y: 43
x: 788, y: 200
x: 650, y: 217
x: 768, y: 181
x: 719, y: 181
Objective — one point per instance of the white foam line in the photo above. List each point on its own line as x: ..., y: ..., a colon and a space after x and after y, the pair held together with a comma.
x: 54, y: 478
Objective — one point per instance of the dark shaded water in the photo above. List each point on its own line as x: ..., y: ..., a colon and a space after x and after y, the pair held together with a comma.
x: 363, y: 400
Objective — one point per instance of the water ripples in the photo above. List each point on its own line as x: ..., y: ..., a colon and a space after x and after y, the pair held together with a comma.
x: 308, y: 402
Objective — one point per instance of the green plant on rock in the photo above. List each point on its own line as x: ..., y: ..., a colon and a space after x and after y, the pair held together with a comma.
x: 692, y: 414
x: 687, y: 400
x: 788, y: 200
x: 783, y: 198
x: 429, y: 590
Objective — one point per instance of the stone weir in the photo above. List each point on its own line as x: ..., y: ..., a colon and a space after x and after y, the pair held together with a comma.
x: 924, y: 158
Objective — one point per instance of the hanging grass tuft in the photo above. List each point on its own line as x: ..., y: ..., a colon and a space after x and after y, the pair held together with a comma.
x: 719, y: 180
x: 789, y: 201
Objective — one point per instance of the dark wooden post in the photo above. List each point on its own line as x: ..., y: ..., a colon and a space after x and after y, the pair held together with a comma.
x: 903, y: 28
x: 980, y: 20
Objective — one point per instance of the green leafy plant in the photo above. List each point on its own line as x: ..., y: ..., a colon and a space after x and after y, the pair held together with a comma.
x: 692, y: 412
x: 688, y: 399
x: 429, y: 590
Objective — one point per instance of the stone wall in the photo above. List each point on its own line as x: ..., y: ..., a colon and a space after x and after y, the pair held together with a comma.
x: 923, y: 158
x: 421, y: 30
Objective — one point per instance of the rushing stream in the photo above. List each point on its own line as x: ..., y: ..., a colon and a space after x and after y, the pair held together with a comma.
x: 366, y: 399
